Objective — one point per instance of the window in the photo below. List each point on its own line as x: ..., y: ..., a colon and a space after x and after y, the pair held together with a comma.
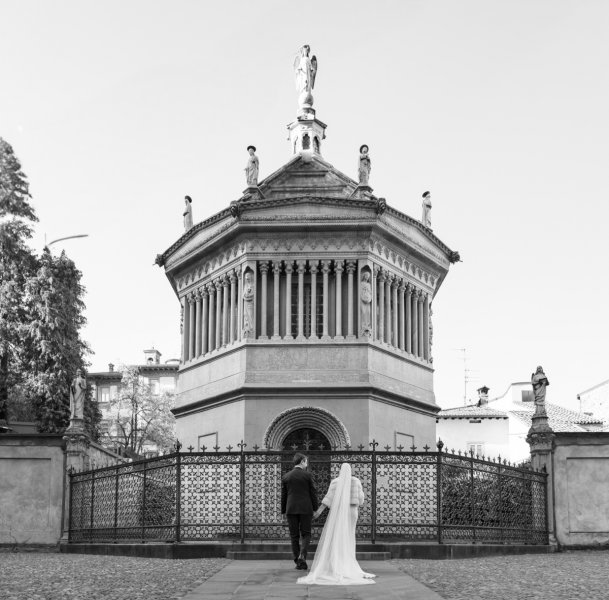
x: 104, y: 394
x: 527, y: 396
x: 155, y: 386
x: 310, y: 318
x: 477, y: 447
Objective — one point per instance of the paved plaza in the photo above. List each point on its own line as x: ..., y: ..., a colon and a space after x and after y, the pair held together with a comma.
x: 51, y: 576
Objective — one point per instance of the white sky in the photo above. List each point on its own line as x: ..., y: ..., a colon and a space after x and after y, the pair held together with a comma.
x: 117, y: 109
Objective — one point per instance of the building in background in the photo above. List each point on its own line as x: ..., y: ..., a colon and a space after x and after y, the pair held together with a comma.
x: 499, y: 427
x: 106, y: 387
x: 594, y: 402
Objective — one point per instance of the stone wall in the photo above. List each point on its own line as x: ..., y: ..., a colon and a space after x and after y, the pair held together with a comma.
x: 31, y: 488
x: 581, y: 488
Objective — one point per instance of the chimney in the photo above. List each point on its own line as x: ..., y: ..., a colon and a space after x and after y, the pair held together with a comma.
x: 111, y: 367
x: 483, y: 395
x: 152, y: 357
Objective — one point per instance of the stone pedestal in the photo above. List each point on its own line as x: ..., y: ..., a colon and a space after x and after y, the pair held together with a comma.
x: 540, y: 438
x: 252, y: 192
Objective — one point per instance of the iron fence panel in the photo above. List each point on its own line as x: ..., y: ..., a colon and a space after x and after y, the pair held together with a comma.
x: 409, y: 496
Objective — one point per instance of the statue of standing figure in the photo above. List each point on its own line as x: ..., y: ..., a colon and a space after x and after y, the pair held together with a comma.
x: 187, y: 214
x: 366, y: 305
x: 248, y: 306
x: 540, y: 383
x: 77, y: 396
x: 365, y: 165
x: 305, y: 69
x: 426, y: 218
x: 251, y: 169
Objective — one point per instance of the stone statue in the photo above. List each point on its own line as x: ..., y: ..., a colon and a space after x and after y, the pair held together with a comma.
x: 305, y: 69
x: 366, y: 305
x: 187, y: 213
x: 248, y: 306
x: 251, y: 169
x: 426, y: 218
x: 540, y: 383
x: 364, y: 165
x: 77, y: 396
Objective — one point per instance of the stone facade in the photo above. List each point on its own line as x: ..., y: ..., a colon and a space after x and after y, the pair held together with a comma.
x: 309, y: 297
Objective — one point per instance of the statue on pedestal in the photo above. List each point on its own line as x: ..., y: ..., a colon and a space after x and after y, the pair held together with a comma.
x: 305, y: 69
x: 426, y: 218
x: 187, y: 213
x: 364, y: 165
x: 77, y: 396
x: 540, y: 383
x: 251, y: 169
x: 366, y: 305
x: 248, y: 306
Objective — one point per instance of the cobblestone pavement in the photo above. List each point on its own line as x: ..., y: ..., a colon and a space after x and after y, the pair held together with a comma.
x: 560, y: 576
x: 52, y: 576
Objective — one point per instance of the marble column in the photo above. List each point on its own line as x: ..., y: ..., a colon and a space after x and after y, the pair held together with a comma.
x: 204, y: 320
x: 421, y: 327
x: 289, y: 269
x: 313, y: 266
x: 388, y: 323
x: 276, y: 275
x: 350, y: 270
x: 218, y: 340
x: 301, y: 265
x: 374, y: 309
x: 408, y: 318
x: 184, y: 327
x: 382, y: 276
x: 191, y: 326
x: 415, y: 322
x: 402, y: 324
x: 338, y: 272
x: 233, y: 307
x: 426, y: 352
x: 211, y: 290
x: 198, y: 324
x: 394, y: 288
x: 264, y: 268
x: 325, y: 269
x: 225, y: 310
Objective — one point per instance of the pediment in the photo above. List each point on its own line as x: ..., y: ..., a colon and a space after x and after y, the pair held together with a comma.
x: 307, y: 175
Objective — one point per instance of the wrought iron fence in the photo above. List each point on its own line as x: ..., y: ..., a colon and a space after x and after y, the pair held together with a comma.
x: 236, y: 495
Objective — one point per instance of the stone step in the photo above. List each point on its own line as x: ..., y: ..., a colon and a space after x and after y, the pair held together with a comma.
x: 269, y: 555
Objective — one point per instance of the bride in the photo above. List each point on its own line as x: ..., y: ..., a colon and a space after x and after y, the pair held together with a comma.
x: 334, y: 562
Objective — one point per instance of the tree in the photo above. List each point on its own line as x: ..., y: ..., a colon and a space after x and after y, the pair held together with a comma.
x: 53, y: 348
x: 17, y: 262
x: 140, y: 419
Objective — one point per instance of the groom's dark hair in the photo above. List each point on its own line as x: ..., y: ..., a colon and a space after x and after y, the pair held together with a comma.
x: 298, y: 458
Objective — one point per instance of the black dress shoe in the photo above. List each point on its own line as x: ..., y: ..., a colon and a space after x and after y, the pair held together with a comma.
x: 302, y: 564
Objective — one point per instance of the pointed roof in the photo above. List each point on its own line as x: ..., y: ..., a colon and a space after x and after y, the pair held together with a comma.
x: 308, y: 173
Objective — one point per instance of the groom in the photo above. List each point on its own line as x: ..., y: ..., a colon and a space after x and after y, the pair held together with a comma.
x: 298, y: 503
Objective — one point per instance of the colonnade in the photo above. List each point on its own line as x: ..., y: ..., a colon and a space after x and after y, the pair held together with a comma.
x: 307, y: 299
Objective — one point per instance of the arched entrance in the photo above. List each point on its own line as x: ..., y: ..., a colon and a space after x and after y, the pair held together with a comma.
x: 311, y: 418
x: 306, y: 439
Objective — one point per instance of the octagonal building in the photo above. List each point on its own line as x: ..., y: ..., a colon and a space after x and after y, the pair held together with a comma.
x: 306, y: 310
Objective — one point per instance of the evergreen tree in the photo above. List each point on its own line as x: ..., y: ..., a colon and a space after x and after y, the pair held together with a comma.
x: 54, y: 349
x: 17, y: 262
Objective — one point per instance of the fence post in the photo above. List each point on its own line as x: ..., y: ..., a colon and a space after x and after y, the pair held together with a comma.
x: 500, y: 503
x: 178, y: 495
x: 71, y: 492
x: 439, y: 445
x: 144, y: 505
x: 471, y: 496
x: 374, y: 444
x: 242, y: 493
x: 116, y: 506
x: 92, y: 505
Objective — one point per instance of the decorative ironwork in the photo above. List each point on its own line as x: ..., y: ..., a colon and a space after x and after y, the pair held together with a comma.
x: 410, y: 496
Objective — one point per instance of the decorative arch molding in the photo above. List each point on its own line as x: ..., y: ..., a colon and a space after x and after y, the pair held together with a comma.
x: 302, y: 417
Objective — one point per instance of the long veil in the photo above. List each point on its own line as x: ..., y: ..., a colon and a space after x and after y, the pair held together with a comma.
x: 335, y: 562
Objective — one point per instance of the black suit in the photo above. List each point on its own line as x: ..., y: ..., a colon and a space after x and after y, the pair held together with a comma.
x: 298, y: 502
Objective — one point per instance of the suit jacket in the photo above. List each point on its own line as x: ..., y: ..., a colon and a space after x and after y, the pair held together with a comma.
x: 356, y: 496
x: 298, y: 494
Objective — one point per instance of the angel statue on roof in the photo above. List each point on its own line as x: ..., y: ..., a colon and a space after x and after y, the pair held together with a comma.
x: 305, y: 69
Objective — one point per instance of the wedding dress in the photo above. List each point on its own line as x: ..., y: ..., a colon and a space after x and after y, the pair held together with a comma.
x: 335, y: 562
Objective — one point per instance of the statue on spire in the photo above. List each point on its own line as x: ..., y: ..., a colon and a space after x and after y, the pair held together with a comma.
x: 305, y: 69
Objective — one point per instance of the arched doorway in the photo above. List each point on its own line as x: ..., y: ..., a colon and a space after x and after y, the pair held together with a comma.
x: 306, y: 439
